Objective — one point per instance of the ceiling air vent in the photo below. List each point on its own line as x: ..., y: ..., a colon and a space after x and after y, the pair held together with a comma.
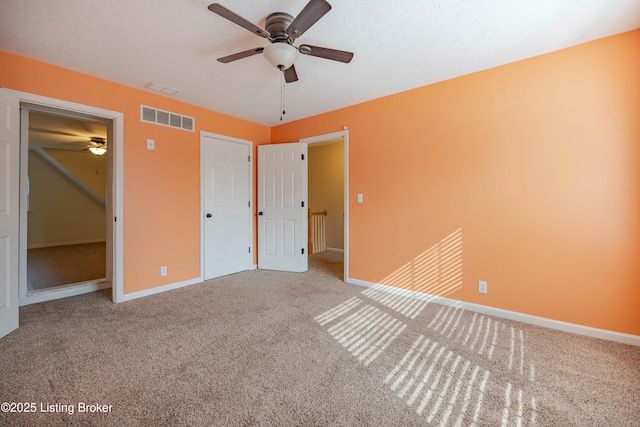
x: 166, y: 118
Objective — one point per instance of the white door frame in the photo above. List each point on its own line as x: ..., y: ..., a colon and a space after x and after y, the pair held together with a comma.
x: 344, y: 134
x: 204, y: 134
x: 115, y: 146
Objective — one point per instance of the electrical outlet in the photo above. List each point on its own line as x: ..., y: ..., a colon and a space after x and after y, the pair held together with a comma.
x: 482, y: 287
x: 151, y: 144
x: 163, y: 270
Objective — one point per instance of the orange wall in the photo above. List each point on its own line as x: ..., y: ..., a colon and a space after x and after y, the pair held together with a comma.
x: 161, y: 187
x: 526, y: 176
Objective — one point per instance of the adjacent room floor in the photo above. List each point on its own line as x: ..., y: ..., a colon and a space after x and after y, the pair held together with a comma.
x: 64, y: 265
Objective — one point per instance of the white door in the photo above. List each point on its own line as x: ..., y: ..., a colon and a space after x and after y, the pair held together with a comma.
x: 282, y: 211
x: 9, y: 210
x: 226, y: 207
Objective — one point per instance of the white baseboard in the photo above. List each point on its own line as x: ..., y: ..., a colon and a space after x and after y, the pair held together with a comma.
x: 506, y: 314
x: 77, y: 242
x: 34, y: 297
x: 159, y: 289
x: 169, y: 287
x: 338, y: 250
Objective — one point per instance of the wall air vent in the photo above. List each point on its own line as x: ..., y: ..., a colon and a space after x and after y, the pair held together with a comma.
x: 165, y: 90
x: 166, y: 118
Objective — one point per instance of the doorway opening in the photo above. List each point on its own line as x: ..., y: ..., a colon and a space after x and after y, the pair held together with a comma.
x: 327, y: 193
x: 66, y: 240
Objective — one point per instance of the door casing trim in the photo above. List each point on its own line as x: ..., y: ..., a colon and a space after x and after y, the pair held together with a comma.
x: 116, y: 273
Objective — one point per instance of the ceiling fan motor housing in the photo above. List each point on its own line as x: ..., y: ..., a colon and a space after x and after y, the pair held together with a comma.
x: 277, y: 24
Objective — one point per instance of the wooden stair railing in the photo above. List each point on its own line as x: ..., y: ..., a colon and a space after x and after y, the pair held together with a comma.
x: 310, y: 231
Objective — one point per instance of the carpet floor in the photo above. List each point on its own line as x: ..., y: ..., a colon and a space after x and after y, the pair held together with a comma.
x: 265, y: 348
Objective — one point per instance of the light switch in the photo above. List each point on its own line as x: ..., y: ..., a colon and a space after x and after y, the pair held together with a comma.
x: 360, y: 197
x: 151, y: 144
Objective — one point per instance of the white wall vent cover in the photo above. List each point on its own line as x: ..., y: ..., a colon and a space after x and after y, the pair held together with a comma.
x: 166, y: 118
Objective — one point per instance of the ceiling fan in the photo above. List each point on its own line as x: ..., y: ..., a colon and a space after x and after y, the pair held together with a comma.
x: 65, y: 133
x: 97, y: 145
x: 61, y: 140
x: 282, y: 30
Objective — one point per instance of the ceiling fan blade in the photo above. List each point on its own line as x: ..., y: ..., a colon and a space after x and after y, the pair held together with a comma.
x: 290, y: 75
x: 240, y: 55
x: 326, y: 53
x: 312, y: 12
x: 54, y: 132
x: 237, y: 19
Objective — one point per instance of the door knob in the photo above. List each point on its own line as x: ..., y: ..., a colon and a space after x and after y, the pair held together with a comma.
x: 260, y: 213
x: 209, y: 215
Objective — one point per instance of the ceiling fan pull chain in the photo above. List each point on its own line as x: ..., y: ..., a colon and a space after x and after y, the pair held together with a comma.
x: 282, y: 94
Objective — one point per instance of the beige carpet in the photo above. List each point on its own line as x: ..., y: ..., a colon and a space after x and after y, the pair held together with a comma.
x: 264, y: 348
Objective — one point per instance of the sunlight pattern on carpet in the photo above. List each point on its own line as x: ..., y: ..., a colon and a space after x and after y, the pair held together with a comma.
x: 399, y: 300
x: 366, y: 333
x: 434, y: 380
x: 334, y: 313
x: 470, y: 365
x: 486, y: 336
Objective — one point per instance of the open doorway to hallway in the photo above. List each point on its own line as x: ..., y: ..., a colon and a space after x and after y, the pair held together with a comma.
x: 326, y: 201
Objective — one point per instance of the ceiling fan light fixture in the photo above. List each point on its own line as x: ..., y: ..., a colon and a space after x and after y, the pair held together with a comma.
x: 98, y: 151
x: 281, y: 55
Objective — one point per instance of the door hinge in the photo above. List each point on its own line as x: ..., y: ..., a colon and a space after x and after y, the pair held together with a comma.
x: 302, y: 251
x: 249, y: 249
x: 303, y: 204
x: 249, y: 203
x: 115, y: 219
x: 302, y: 156
x: 249, y: 158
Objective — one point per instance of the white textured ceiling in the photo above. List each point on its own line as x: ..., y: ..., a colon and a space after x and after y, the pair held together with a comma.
x: 398, y: 45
